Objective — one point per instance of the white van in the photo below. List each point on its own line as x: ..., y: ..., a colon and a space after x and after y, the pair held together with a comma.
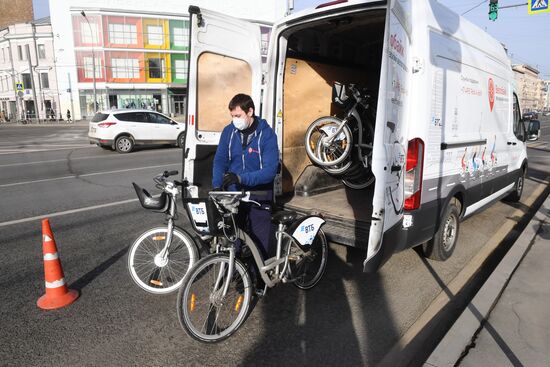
x: 448, y: 136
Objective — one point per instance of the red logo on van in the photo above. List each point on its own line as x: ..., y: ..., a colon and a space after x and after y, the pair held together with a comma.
x: 491, y: 94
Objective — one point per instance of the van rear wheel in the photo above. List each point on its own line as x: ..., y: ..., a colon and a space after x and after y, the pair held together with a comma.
x: 442, y: 245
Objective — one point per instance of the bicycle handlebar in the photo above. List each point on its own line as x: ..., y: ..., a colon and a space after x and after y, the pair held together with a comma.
x: 170, y: 173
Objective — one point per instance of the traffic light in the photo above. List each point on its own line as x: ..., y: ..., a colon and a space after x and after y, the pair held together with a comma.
x: 493, y: 10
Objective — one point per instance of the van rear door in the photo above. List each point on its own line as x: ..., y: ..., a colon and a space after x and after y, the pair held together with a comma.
x: 390, y: 144
x: 224, y: 59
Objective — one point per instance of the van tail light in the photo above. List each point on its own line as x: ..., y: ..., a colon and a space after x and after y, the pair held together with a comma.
x: 336, y: 2
x: 413, y: 174
x: 106, y: 124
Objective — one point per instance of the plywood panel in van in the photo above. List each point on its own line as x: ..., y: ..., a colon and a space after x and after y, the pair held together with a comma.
x: 308, y: 96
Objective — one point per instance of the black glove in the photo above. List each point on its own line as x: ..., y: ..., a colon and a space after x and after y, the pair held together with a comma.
x: 230, y: 179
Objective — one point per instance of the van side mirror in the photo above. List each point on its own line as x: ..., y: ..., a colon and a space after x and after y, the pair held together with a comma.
x: 523, y: 131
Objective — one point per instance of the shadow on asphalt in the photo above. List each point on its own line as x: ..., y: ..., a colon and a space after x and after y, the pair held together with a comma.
x: 87, y: 278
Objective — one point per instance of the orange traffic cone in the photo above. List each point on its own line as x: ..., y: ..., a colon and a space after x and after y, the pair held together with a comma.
x: 57, y: 294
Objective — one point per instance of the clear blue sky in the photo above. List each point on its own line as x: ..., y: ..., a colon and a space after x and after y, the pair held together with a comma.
x: 41, y: 8
x: 527, y: 37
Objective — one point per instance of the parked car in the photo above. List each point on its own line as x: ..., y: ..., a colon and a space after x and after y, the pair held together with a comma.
x: 533, y: 131
x: 123, y: 129
x: 530, y: 115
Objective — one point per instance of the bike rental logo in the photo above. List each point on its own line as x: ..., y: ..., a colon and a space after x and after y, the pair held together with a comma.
x: 491, y: 94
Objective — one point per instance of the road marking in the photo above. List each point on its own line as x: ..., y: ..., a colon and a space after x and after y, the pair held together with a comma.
x: 78, y: 158
x: 45, y: 150
x: 86, y: 175
x: 72, y: 211
x: 433, y: 188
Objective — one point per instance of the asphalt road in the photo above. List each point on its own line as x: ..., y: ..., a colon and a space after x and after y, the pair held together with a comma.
x: 349, y: 319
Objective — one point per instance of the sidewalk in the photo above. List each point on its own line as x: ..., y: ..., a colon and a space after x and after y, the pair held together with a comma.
x: 508, y: 321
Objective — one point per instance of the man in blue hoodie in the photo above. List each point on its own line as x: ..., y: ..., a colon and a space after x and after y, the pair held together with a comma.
x: 247, y: 158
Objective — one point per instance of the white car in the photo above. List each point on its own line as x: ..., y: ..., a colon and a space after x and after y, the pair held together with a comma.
x: 123, y: 129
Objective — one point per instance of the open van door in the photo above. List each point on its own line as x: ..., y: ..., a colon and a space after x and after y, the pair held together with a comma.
x: 224, y: 59
x: 390, y: 145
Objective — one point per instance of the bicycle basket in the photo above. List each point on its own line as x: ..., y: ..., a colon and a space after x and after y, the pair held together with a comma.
x: 339, y: 95
x: 203, y: 215
x: 149, y: 202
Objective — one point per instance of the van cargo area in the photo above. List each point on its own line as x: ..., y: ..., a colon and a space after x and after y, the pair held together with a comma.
x: 345, y: 49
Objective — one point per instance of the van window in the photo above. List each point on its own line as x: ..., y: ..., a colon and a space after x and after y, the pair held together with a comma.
x: 518, y: 123
x: 219, y: 79
x: 100, y: 117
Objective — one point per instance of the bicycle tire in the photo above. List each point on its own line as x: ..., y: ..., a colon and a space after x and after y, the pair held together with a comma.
x: 168, y: 277
x: 311, y: 141
x: 192, y: 292
x: 359, y: 183
x: 319, y: 246
x: 335, y: 170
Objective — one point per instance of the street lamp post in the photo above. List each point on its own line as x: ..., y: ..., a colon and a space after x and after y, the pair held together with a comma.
x: 93, y: 57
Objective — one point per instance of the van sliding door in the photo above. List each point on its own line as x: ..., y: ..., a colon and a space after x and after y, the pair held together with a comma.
x: 390, y: 144
x: 224, y: 59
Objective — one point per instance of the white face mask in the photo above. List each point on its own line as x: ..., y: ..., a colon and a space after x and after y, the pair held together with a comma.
x: 240, y: 123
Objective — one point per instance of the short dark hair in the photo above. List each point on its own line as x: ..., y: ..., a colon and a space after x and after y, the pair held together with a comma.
x: 244, y: 101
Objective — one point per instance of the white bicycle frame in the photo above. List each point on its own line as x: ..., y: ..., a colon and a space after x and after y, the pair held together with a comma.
x: 264, y: 267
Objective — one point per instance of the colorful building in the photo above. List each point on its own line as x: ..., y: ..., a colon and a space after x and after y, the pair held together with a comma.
x: 140, y: 51
x: 141, y: 60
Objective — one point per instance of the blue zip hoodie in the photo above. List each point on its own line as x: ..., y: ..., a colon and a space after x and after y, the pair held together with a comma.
x: 256, y: 163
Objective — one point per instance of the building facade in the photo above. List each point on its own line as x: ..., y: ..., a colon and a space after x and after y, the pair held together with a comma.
x: 28, y: 83
x: 15, y: 11
x: 546, y: 96
x: 529, y: 87
x: 140, y: 54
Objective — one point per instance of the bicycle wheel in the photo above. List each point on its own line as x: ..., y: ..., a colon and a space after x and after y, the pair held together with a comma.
x: 359, y: 183
x: 203, y: 312
x: 335, y: 152
x: 150, y: 271
x: 310, y: 268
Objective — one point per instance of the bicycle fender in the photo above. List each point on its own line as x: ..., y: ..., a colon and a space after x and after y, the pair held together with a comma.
x: 329, y: 130
x: 306, y: 230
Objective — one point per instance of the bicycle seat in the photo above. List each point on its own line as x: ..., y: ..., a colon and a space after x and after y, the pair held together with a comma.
x: 149, y: 202
x: 284, y: 217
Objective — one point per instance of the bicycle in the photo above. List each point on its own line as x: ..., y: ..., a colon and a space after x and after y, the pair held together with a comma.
x: 161, y: 256
x: 329, y: 141
x: 215, y: 296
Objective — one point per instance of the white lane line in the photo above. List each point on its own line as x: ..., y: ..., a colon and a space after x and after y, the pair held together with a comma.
x: 86, y: 175
x: 72, y: 211
x: 451, y: 184
x: 46, y: 150
x: 433, y: 188
x: 78, y: 158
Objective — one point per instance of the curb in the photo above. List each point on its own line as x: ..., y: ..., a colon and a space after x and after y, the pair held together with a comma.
x: 419, y: 341
x: 452, y: 347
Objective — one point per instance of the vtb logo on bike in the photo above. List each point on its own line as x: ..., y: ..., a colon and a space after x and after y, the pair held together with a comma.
x: 199, y: 210
x: 307, y: 228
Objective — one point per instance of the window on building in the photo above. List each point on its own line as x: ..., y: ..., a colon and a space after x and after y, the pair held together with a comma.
x: 155, y: 67
x: 123, y: 34
x: 89, y: 67
x: 20, y: 53
x: 181, y: 38
x: 155, y: 35
x: 180, y: 69
x: 41, y: 51
x: 44, y: 80
x: 89, y: 34
x: 3, y: 55
x: 125, y: 68
x: 26, y: 79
